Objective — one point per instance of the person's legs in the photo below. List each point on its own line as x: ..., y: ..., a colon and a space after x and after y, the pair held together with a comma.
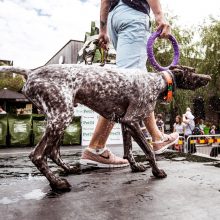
x: 97, y: 154
x: 152, y: 128
x: 128, y: 33
x: 101, y: 133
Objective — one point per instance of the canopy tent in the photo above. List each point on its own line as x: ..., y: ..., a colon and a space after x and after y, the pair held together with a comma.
x: 8, y: 97
x: 9, y: 94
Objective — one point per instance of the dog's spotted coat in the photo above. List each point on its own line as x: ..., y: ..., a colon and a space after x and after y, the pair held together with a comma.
x: 125, y: 96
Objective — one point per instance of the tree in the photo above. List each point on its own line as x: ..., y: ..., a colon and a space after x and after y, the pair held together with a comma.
x: 202, y: 54
x: 11, y: 83
x: 8, y: 81
x: 211, y: 62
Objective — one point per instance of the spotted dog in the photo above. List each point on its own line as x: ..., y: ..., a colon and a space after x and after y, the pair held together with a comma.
x: 125, y: 96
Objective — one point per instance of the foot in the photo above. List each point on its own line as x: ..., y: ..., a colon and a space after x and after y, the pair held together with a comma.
x: 167, y: 141
x: 104, y: 160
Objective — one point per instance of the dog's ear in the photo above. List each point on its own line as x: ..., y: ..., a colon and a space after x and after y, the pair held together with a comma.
x: 187, y: 78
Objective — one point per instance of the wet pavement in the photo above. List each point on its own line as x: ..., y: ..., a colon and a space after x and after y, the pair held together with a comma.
x: 191, y: 190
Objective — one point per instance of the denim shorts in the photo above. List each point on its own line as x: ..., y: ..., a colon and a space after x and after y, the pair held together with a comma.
x: 129, y: 31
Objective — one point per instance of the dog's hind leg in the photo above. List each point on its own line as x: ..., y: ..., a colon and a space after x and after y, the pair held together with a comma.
x: 135, y: 167
x: 54, y: 155
x: 59, y: 110
x: 39, y: 159
x: 48, y: 144
x: 53, y: 147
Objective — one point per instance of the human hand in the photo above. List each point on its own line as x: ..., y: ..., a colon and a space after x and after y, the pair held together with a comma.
x: 103, y: 40
x: 163, y: 25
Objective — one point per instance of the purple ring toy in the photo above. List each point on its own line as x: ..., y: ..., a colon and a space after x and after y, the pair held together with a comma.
x: 150, y: 51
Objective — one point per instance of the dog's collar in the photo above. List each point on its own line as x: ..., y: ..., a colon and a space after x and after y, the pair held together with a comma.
x: 167, y: 95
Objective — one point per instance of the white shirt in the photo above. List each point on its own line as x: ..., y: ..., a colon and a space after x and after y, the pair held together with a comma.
x: 190, y: 125
x: 179, y: 128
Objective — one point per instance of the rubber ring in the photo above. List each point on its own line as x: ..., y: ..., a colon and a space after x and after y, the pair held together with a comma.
x: 150, y: 51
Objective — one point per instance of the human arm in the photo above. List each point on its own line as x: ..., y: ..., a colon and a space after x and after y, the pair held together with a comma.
x: 103, y: 37
x: 159, y: 17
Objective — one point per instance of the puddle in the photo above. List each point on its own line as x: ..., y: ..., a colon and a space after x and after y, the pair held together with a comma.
x: 7, y: 201
x: 35, y: 194
x: 179, y: 158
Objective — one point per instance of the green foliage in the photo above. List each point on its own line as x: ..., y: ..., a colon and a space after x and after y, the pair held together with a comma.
x: 7, y: 80
x: 202, y: 54
x: 11, y: 83
x: 211, y: 61
x: 6, y: 63
x: 189, y: 56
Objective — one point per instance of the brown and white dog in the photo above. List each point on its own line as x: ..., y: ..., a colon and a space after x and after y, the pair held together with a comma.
x: 125, y: 96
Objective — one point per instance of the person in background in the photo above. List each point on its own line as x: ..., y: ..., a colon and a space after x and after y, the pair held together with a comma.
x: 188, y: 120
x: 160, y: 123
x: 207, y: 128
x: 179, y: 126
x: 212, y: 131
x: 201, y: 125
x: 2, y: 111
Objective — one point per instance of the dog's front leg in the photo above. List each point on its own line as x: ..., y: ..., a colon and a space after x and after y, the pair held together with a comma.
x: 135, y: 167
x: 138, y: 136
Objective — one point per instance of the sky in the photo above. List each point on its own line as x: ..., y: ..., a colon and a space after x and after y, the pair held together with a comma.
x: 32, y: 31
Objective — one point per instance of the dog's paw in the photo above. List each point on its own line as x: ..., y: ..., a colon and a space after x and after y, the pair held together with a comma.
x: 159, y: 174
x: 138, y: 168
x: 61, y: 185
x: 74, y: 170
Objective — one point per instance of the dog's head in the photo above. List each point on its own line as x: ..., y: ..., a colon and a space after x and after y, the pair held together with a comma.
x: 187, y: 78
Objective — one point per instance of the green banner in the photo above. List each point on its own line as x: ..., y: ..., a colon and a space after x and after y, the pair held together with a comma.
x: 3, y: 129
x: 39, y: 126
x: 72, y: 134
x: 19, y: 129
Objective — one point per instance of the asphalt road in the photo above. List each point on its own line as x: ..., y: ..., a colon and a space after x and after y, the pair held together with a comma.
x: 191, y: 190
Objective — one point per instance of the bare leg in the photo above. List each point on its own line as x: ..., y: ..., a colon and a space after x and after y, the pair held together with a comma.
x: 152, y: 128
x: 102, y: 131
x: 104, y: 127
x: 93, y: 156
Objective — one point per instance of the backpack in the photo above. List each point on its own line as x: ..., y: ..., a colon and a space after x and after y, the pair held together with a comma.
x: 197, y: 131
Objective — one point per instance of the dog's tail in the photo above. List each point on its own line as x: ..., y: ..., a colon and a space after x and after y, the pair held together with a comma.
x: 12, y: 69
